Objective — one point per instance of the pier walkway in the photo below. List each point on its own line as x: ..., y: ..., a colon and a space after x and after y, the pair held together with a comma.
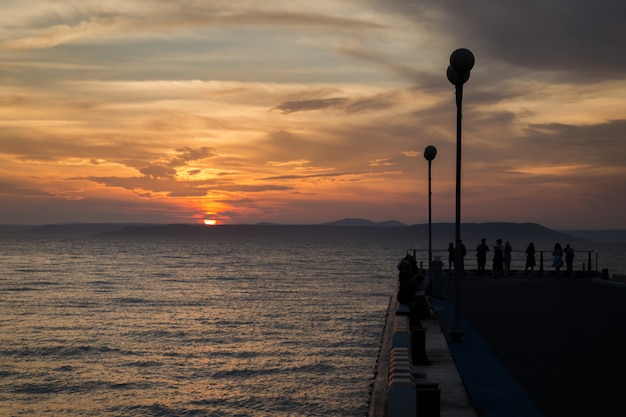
x: 540, y: 346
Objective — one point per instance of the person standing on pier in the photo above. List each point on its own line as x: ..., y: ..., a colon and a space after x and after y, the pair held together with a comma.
x: 481, y: 256
x: 507, y: 257
x: 557, y: 258
x: 569, y: 258
x: 530, y: 259
x: 451, y: 253
x: 498, y: 259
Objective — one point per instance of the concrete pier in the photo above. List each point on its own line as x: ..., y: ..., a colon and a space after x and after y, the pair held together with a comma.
x: 409, y: 389
x: 543, y: 346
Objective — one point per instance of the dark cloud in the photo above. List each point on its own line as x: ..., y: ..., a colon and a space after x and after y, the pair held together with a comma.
x: 249, y: 188
x: 188, y: 154
x: 549, y: 160
x: 320, y: 175
x: 306, y: 105
x: 168, y: 169
x: 581, y: 37
x: 259, y: 17
x: 374, y: 103
x: 151, y: 186
x: 587, y: 143
x: 158, y: 171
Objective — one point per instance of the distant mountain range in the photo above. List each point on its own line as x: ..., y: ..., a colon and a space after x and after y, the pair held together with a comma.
x: 349, y: 228
x: 349, y: 222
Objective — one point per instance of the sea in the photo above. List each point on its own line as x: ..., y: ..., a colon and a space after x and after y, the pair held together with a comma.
x: 173, y: 327
x: 105, y: 327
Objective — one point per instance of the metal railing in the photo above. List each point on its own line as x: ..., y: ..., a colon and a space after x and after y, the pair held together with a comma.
x: 618, y: 278
x: 584, y: 261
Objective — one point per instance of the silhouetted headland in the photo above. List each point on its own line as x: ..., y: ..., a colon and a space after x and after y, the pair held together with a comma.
x: 339, y: 230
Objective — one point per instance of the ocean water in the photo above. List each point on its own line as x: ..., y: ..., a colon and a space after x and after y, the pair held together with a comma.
x: 191, y: 328
x: 199, y: 328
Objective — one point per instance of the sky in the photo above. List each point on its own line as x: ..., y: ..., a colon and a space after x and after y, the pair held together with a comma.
x: 301, y: 112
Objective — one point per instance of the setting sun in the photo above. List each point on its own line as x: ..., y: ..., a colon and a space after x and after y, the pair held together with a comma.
x: 210, y: 222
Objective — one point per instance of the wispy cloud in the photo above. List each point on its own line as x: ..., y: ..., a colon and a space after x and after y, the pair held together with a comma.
x: 305, y: 105
x: 304, y: 112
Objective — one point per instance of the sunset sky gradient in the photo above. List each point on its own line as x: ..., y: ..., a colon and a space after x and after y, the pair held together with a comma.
x: 304, y: 112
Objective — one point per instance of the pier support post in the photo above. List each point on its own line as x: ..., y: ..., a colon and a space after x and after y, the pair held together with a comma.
x: 418, y: 346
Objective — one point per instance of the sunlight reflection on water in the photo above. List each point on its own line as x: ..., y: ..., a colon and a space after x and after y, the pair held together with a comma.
x: 176, y: 328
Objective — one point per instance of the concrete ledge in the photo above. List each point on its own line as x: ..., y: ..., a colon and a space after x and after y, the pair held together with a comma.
x: 401, y: 333
x: 442, y: 371
x: 402, y: 401
x: 402, y: 387
x: 378, y: 396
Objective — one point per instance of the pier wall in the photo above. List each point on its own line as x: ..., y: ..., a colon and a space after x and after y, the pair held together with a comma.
x: 416, y: 375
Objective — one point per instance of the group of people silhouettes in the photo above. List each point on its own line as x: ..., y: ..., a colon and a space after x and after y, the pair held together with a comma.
x: 502, y: 256
x: 409, y: 277
x: 558, y: 254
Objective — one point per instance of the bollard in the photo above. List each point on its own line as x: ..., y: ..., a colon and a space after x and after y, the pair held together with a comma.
x: 419, y: 308
x: 415, y: 315
x: 418, y: 346
x: 436, y: 279
x: 427, y: 399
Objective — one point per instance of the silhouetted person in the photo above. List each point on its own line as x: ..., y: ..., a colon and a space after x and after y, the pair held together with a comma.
x: 530, y: 258
x: 557, y: 258
x: 507, y: 256
x: 408, y: 277
x: 498, y: 258
x: 481, y: 256
x: 569, y: 258
x: 451, y: 253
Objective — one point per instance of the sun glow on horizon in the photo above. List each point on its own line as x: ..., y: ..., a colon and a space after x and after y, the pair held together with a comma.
x: 210, y: 222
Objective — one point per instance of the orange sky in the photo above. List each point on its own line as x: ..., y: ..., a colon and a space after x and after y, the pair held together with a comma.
x: 308, y: 112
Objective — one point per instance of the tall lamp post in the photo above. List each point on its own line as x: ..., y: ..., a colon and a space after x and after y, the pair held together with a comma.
x: 461, y: 63
x: 429, y: 153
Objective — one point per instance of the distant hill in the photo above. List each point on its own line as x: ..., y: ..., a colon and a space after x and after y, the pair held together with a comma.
x: 63, y: 230
x: 513, y: 232
x: 520, y: 233
x: 350, y: 222
x: 12, y: 230
x: 257, y: 231
x: 600, y: 236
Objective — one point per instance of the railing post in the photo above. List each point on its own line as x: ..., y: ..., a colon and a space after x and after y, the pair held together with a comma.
x: 541, y: 261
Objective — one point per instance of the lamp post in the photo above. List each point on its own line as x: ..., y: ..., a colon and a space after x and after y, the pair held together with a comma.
x: 461, y: 63
x: 429, y: 153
